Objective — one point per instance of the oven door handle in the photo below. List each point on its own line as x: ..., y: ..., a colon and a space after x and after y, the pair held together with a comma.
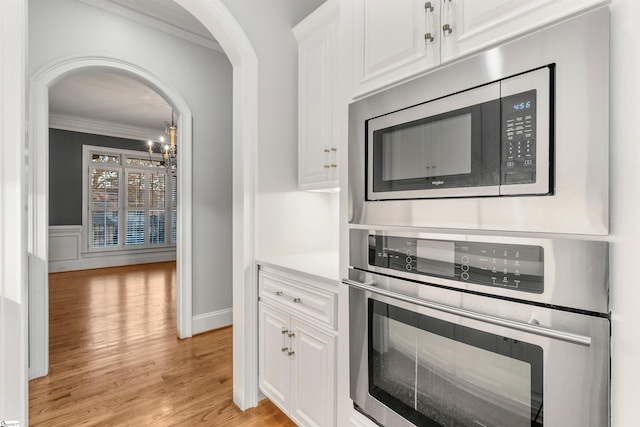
x: 511, y: 324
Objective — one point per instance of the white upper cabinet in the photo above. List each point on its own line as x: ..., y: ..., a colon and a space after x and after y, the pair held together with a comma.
x: 317, y: 76
x: 478, y: 24
x: 389, y: 40
x: 394, y: 40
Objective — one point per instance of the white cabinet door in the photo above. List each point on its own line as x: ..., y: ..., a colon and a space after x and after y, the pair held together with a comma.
x: 478, y: 24
x: 317, y: 74
x: 389, y: 40
x: 274, y: 359
x: 313, y: 376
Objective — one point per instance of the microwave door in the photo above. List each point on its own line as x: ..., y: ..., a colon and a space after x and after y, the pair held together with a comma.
x: 436, y: 149
x: 526, y: 137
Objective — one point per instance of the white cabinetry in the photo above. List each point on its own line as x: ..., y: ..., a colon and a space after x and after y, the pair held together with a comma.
x: 297, y: 346
x: 478, y: 24
x: 389, y: 40
x: 317, y: 123
x: 394, y: 40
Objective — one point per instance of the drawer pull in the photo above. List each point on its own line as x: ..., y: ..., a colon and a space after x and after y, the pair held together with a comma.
x: 282, y: 294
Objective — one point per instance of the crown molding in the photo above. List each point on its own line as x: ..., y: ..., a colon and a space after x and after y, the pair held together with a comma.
x: 100, y: 127
x: 155, y: 23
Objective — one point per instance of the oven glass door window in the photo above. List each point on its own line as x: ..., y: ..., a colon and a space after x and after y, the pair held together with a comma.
x: 437, y: 373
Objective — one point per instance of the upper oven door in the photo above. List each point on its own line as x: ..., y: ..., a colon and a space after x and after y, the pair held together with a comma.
x: 449, y: 147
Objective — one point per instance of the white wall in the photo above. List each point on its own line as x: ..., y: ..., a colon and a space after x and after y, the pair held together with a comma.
x: 203, y: 77
x: 288, y: 221
x: 625, y: 211
x: 13, y: 289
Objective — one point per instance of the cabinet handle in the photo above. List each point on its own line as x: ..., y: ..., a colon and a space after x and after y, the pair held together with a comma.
x: 334, y: 149
x: 334, y: 166
x: 291, y: 334
x: 293, y: 299
x: 284, y: 349
x: 428, y: 23
x: 326, y: 150
x: 447, y: 28
x: 327, y: 166
x: 290, y: 353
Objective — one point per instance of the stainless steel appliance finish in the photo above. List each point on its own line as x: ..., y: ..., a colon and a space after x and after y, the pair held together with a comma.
x: 578, y: 49
x: 537, y: 80
x: 576, y: 272
x: 574, y: 375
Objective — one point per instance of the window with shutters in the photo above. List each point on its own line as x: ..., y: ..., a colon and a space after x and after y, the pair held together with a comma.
x: 131, y: 201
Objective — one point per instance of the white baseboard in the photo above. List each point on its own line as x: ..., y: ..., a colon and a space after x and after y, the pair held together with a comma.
x: 209, y: 321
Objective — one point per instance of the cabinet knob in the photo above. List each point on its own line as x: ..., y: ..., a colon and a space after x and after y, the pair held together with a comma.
x: 428, y: 6
x: 327, y: 166
x: 334, y: 166
x: 446, y: 29
x: 284, y: 349
x: 290, y: 353
x: 291, y: 334
x: 334, y: 149
x: 428, y: 38
x: 326, y: 150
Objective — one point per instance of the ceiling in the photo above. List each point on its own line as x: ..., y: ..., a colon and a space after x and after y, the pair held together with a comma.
x: 109, y: 97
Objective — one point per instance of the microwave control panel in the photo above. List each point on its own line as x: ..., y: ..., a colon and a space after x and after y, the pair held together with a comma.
x: 519, y: 138
x: 516, y: 267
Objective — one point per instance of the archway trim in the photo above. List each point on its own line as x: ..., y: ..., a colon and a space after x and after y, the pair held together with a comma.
x: 38, y: 198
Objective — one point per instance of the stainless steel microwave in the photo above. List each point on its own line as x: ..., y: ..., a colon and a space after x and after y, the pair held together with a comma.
x: 513, y: 138
x: 491, y: 140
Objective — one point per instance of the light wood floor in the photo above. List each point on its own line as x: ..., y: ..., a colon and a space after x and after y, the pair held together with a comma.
x: 115, y: 358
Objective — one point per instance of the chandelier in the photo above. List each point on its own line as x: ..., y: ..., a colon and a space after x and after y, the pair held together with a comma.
x: 168, y: 151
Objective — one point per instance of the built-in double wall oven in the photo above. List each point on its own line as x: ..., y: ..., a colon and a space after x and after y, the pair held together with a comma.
x: 457, y: 330
x: 478, y: 201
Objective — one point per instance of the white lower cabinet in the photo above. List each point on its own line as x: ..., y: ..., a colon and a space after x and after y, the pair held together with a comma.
x: 297, y: 360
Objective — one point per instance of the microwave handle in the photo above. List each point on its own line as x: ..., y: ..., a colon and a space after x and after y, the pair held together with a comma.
x: 512, y: 324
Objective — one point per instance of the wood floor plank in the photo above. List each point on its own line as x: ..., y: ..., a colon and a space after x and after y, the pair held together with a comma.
x: 115, y: 358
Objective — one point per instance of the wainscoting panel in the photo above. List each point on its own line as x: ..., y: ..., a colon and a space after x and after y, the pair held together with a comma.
x: 65, y: 252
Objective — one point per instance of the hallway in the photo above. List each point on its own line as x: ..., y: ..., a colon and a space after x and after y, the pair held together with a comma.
x: 115, y: 358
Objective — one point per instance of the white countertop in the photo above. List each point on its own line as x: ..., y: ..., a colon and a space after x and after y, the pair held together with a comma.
x: 322, y: 265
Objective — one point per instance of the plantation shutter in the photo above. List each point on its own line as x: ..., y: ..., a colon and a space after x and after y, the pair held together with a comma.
x: 135, y: 208
x: 103, y: 208
x: 157, y: 209
x: 174, y: 208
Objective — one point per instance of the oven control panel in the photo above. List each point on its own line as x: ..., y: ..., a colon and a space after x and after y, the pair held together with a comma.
x: 516, y: 267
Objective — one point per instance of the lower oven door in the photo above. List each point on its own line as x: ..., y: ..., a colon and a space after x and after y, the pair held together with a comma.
x: 446, y: 362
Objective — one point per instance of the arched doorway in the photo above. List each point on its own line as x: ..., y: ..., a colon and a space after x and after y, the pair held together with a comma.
x: 39, y: 189
x: 223, y: 26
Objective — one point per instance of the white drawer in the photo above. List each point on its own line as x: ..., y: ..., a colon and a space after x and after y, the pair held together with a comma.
x: 299, y: 297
